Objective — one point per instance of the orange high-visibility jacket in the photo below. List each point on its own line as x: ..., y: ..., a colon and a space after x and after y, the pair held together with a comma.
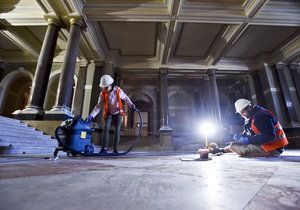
x: 105, y: 102
x: 280, y: 139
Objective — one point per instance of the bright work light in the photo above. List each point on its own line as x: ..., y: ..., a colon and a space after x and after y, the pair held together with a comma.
x: 207, y: 129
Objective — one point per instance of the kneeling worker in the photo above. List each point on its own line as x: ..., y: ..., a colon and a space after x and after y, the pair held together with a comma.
x: 262, y: 136
x: 110, y: 98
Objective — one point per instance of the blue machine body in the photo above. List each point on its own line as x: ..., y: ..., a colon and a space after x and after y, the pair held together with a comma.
x: 81, y: 136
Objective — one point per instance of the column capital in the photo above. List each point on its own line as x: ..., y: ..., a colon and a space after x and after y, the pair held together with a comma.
x: 205, y: 77
x: 211, y: 71
x: 84, y: 63
x: 295, y: 66
x: 281, y: 66
x: 52, y: 19
x: 76, y: 19
x: 98, y: 62
x: 163, y: 70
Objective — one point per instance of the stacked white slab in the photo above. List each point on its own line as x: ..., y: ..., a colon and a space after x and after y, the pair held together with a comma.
x: 18, y: 138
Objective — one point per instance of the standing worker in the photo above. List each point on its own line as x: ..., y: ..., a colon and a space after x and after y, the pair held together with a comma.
x: 262, y: 136
x: 110, y: 99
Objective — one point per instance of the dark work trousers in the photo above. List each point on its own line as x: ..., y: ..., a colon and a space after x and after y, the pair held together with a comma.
x: 116, y: 119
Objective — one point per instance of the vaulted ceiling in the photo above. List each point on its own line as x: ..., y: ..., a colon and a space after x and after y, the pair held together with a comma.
x: 184, y: 35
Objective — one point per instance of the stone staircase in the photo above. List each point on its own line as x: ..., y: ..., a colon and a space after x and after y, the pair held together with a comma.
x: 18, y: 138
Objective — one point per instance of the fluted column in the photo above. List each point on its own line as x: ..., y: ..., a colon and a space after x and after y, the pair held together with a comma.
x: 165, y: 132
x: 252, y: 89
x: 214, y: 95
x: 164, y: 103
x: 43, y: 69
x: 289, y: 92
x: 63, y: 100
x: 79, y: 93
x: 295, y: 72
x: 273, y: 94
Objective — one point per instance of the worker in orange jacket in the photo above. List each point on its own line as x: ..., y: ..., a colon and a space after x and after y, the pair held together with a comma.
x: 262, y: 136
x: 110, y: 99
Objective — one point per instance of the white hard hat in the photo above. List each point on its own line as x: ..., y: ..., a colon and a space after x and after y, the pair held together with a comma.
x: 106, y: 81
x: 241, y: 104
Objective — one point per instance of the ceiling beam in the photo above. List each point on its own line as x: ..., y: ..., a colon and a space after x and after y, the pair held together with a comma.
x: 172, y: 33
x: 24, y: 39
x: 224, y: 42
x: 252, y: 7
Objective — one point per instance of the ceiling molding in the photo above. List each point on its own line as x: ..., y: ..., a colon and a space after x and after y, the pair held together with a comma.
x: 16, y: 57
x: 97, y: 11
x: 24, y: 39
x: 22, y: 13
x: 252, y: 7
x: 173, y: 30
x: 224, y: 42
x: 288, y: 51
x: 279, y: 13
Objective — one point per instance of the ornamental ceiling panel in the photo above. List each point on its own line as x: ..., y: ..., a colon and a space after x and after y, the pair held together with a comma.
x: 195, y: 39
x: 131, y: 38
x: 261, y: 39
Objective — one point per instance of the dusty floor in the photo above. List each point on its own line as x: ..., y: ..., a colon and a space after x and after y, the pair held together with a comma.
x: 150, y: 181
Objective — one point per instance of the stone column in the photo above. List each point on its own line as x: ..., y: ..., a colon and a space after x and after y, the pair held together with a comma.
x: 35, y: 109
x: 63, y: 102
x: 252, y: 89
x: 108, y: 65
x: 295, y: 72
x: 79, y: 91
x: 273, y: 94
x: 289, y: 92
x: 214, y: 95
x: 88, y: 90
x: 165, y: 131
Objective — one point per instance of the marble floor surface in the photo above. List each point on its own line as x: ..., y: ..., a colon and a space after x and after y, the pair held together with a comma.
x: 150, y: 180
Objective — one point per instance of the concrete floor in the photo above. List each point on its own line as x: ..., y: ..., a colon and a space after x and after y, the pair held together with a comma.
x: 150, y: 181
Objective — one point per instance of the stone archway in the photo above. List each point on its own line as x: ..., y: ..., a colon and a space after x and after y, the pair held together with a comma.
x: 14, y: 91
x: 181, y: 111
x: 50, y: 99
x: 146, y: 105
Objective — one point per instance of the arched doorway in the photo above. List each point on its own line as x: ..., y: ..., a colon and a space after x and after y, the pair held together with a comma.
x: 15, y: 90
x: 181, y: 111
x: 52, y: 88
x: 145, y: 105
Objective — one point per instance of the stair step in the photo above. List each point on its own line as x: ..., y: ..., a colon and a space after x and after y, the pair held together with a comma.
x: 12, y: 127
x: 29, y: 135
x: 26, y: 150
x: 20, y: 142
x: 8, y: 119
x: 23, y: 132
x: 3, y: 122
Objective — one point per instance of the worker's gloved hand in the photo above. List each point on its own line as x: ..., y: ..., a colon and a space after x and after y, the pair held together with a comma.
x: 214, y: 148
x: 243, y: 140
x: 236, y: 137
x: 89, y: 118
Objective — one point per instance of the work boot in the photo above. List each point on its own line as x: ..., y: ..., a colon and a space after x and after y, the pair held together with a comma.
x: 103, y: 151
x: 116, y: 151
